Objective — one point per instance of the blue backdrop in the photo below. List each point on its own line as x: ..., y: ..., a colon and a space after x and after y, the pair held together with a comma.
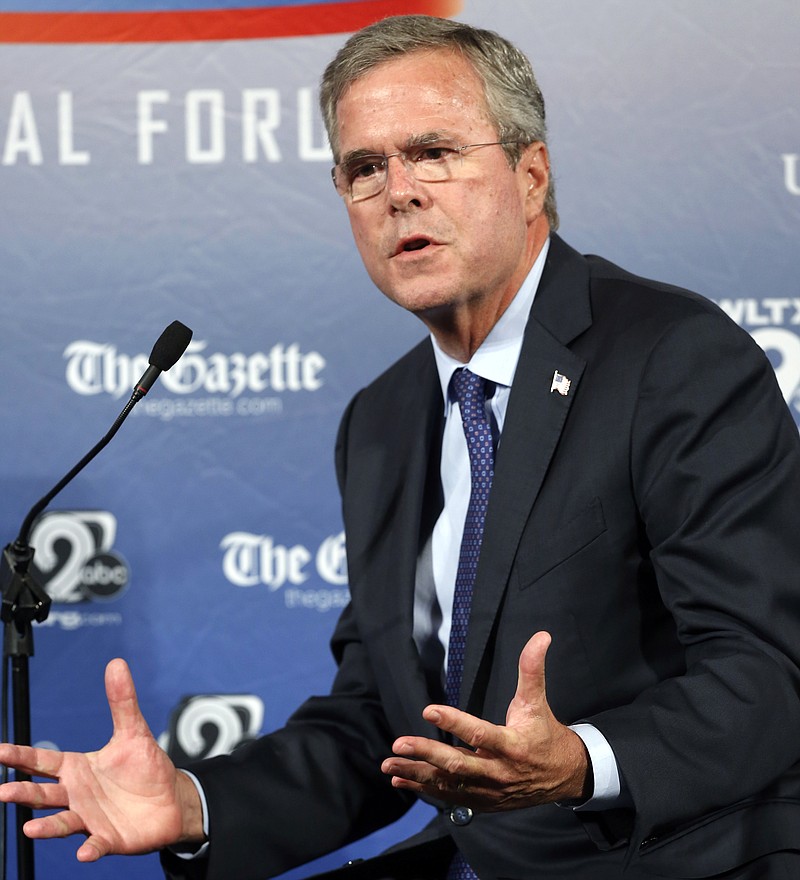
x: 188, y: 178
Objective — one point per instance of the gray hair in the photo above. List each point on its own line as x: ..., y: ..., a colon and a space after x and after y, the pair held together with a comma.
x: 513, y: 99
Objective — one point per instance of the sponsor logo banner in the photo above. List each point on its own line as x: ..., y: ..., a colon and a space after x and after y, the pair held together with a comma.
x: 74, y: 559
x: 217, y: 384
x: 208, y: 725
x: 251, y: 560
x: 76, y: 564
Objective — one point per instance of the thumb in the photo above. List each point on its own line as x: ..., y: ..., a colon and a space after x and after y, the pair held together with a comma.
x: 92, y: 849
x: 121, y: 694
x: 531, y: 682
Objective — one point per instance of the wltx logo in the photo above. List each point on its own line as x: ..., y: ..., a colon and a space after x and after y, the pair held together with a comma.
x: 774, y: 323
x: 207, y: 725
x: 782, y: 346
x: 74, y: 560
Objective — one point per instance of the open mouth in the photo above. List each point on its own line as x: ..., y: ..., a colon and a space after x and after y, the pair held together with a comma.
x: 413, y: 244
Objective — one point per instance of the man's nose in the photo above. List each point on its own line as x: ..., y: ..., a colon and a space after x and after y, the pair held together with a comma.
x: 402, y: 185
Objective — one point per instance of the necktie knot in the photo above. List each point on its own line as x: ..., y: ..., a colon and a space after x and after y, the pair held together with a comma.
x: 470, y: 392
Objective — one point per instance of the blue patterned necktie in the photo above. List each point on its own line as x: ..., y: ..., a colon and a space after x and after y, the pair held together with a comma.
x: 470, y: 391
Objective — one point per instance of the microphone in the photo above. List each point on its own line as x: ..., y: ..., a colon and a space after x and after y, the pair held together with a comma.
x: 172, y: 343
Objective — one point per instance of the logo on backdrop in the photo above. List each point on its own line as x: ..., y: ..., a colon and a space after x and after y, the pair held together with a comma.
x: 774, y: 323
x: 207, y: 725
x: 791, y: 173
x: 258, y: 560
x: 202, y: 383
x: 74, y: 561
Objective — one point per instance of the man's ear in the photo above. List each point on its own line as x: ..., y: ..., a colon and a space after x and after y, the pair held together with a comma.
x: 534, y: 163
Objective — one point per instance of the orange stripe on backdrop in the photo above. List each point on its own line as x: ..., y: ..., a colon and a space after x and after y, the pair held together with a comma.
x: 212, y: 24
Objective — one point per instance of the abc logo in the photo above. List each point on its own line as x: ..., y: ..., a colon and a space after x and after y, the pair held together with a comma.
x: 73, y: 558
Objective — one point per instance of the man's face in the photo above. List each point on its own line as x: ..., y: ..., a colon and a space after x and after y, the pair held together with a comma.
x: 432, y: 247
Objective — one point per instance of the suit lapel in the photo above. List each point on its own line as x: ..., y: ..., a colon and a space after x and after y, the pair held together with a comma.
x: 398, y: 500
x: 534, y: 421
x: 389, y: 500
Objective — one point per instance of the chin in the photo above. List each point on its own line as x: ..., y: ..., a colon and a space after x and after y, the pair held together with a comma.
x: 422, y: 298
x: 423, y: 304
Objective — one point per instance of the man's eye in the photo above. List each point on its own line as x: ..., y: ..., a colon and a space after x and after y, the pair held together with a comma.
x: 368, y: 168
x: 433, y: 153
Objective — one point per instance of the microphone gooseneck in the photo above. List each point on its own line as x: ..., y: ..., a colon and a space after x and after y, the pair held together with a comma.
x: 172, y: 343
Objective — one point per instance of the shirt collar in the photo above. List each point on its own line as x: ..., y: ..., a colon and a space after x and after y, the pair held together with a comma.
x: 496, y: 358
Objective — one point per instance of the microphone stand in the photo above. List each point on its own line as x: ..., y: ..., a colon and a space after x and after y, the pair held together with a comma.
x: 24, y: 601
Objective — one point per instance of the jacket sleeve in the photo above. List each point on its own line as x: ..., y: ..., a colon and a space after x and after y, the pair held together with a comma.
x: 309, y: 788
x: 716, y: 474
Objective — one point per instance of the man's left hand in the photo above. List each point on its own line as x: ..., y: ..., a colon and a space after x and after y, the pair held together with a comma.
x: 533, y: 759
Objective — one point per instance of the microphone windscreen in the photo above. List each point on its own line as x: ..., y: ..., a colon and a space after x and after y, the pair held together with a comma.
x: 170, y: 345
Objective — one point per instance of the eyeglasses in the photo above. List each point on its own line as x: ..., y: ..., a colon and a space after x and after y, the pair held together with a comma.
x: 365, y: 175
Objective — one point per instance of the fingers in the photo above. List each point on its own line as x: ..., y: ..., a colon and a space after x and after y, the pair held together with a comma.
x: 421, y: 763
x: 64, y: 824
x: 26, y: 759
x: 421, y: 776
x: 34, y: 795
x: 453, y: 775
x: 92, y: 849
x: 58, y: 825
x: 121, y: 693
x: 531, y: 683
x: 409, y: 750
x: 474, y: 732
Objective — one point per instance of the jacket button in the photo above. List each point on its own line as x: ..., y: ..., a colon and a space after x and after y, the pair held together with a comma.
x: 461, y: 815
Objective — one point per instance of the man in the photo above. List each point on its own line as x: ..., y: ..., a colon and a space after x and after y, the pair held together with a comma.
x: 580, y: 464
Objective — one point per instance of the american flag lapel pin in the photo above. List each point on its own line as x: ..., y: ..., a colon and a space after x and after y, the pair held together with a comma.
x: 560, y: 383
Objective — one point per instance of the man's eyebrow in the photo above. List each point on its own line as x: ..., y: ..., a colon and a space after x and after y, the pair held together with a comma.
x: 416, y: 140
x: 429, y: 137
x: 354, y: 155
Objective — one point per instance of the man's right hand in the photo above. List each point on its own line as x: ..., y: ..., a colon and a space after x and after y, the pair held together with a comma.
x: 127, y: 798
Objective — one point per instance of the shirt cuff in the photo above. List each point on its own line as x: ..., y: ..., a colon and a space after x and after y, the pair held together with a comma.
x: 194, y: 852
x: 607, y: 791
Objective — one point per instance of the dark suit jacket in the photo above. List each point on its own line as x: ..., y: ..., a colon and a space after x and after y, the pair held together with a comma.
x: 648, y: 520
